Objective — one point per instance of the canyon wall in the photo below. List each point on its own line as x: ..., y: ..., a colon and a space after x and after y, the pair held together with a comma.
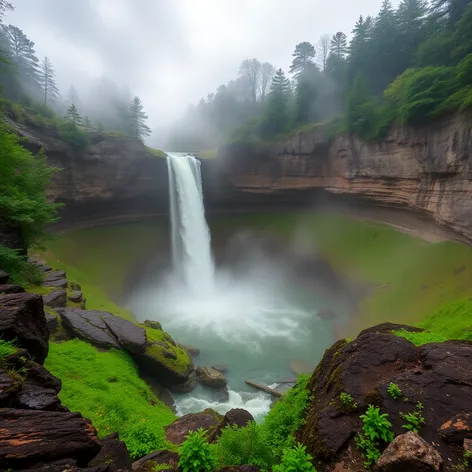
x: 427, y: 169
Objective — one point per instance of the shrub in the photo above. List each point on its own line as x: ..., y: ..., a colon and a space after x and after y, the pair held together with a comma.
x: 195, y: 453
x: 394, y: 391
x: 347, y: 401
x: 21, y: 272
x: 414, y: 419
x: 6, y: 348
x: 74, y: 136
x: 295, y: 459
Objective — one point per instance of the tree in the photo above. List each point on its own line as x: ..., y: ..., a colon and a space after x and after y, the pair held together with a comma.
x: 338, y: 45
x: 72, y: 116
x: 72, y: 96
x: 450, y: 9
x: 267, y: 74
x: 48, y: 82
x: 323, y: 50
x: 23, y: 54
x: 305, y: 97
x: 276, y: 118
x: 87, y: 122
x: 4, y: 7
x: 303, y: 58
x: 138, y: 127
x: 250, y: 69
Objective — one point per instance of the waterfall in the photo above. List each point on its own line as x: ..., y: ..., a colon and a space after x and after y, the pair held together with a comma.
x: 191, y: 250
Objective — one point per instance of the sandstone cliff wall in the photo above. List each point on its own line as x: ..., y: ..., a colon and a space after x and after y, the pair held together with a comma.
x: 427, y: 169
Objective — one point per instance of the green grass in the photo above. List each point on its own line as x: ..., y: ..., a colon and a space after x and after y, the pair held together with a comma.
x: 111, y: 394
x: 7, y: 348
x: 419, y: 339
x: 156, y: 152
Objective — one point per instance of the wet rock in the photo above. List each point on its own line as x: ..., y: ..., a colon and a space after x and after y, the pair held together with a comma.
x: 8, y: 388
x: 148, y: 463
x: 22, y: 319
x: 28, y: 437
x: 75, y: 296
x: 114, y: 453
x: 4, y: 277
x: 457, y: 429
x: 235, y: 417
x: 52, y: 321
x: 211, y: 377
x: 410, y: 453
x: 11, y: 288
x: 298, y: 366
x: 179, y: 429
x: 74, y: 286
x: 130, y: 336
x: 220, y: 368
x: 60, y: 283
x: 56, y: 299
x: 56, y: 274
x: 153, y: 324
x: 32, y: 397
x: 192, y: 350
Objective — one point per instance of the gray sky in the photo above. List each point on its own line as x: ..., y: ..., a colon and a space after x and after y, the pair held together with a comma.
x: 173, y: 52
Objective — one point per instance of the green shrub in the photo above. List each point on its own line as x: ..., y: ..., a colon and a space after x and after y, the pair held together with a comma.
x: 111, y: 394
x: 195, y: 453
x: 21, y: 272
x: 394, y: 391
x: 6, y: 349
x: 74, y: 136
x: 414, y: 419
x: 295, y: 459
x: 347, y: 401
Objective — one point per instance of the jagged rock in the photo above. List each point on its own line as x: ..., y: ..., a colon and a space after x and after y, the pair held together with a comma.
x: 4, y: 277
x: 75, y: 296
x: 192, y: 350
x: 22, y: 319
x: 410, y: 453
x: 211, y: 377
x: 9, y: 386
x: 52, y: 321
x: 11, y: 288
x: 364, y: 368
x: 153, y: 324
x: 298, y: 366
x: 235, y: 417
x: 208, y: 420
x: 220, y: 368
x: 457, y: 429
x: 32, y: 397
x: 104, y: 329
x: 114, y: 452
x: 149, y: 462
x: 56, y: 299
x: 28, y: 437
x: 60, y: 283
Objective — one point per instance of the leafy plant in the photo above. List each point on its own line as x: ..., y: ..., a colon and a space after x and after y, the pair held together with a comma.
x: 20, y: 270
x: 195, y: 453
x: 414, y: 419
x: 370, y: 449
x: 295, y: 459
x: 394, y: 391
x: 347, y: 401
x: 6, y: 349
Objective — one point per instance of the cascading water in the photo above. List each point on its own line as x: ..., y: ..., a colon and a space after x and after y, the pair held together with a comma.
x: 191, y: 248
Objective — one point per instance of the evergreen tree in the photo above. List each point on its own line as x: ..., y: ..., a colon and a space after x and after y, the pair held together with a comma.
x: 450, y: 9
x: 72, y: 116
x: 47, y: 80
x: 4, y: 7
x: 138, y: 127
x: 305, y: 97
x: 276, y: 118
x: 72, y: 96
x: 338, y: 46
x: 303, y: 58
x: 22, y: 54
x: 359, y: 53
x: 87, y: 122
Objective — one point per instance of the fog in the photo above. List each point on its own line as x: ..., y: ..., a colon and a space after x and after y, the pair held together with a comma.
x: 171, y: 53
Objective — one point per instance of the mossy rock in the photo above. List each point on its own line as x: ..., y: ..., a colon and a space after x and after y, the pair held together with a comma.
x: 166, y: 360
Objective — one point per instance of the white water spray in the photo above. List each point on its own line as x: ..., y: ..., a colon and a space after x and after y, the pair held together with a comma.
x: 191, y: 248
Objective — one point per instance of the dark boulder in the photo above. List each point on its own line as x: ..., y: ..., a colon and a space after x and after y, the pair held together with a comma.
x: 151, y: 461
x: 114, y: 453
x: 75, y: 296
x: 207, y: 419
x: 56, y: 299
x: 235, y: 417
x: 22, y: 319
x: 410, y: 453
x: 211, y: 377
x: 28, y: 437
x: 457, y: 429
x: 61, y: 283
x: 9, y: 386
x: 33, y: 397
x: 56, y: 274
x: 52, y: 321
x: 4, y: 277
x: 130, y: 336
x: 10, y: 288
x: 364, y: 368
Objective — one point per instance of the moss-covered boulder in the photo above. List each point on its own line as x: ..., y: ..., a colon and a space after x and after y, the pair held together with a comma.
x: 167, y: 361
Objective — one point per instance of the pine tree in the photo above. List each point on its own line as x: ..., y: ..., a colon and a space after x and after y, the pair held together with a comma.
x: 138, y: 127
x: 72, y: 116
x: 72, y: 96
x: 4, y: 7
x: 276, y: 118
x: 303, y: 58
x: 338, y: 45
x: 48, y: 82
x: 23, y: 54
x: 450, y: 9
x: 87, y: 122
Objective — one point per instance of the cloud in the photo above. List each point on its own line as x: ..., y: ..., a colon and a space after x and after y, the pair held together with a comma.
x: 173, y: 52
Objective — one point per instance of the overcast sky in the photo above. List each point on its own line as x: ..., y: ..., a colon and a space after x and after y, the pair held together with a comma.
x: 173, y: 52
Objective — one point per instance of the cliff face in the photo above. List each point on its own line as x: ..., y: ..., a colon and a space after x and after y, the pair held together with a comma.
x: 426, y: 168
x: 115, y: 178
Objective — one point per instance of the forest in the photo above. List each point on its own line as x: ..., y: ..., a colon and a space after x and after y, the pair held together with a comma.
x: 407, y: 65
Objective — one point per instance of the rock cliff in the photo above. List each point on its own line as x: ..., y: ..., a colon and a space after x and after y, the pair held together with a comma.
x: 427, y: 168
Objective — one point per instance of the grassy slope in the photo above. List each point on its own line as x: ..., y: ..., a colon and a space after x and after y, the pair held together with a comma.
x: 111, y: 394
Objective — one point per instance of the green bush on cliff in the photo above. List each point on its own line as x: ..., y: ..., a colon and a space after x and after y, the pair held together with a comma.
x: 77, y: 138
x: 111, y: 394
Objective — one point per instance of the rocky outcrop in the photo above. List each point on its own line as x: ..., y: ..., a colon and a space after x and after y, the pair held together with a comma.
x: 438, y: 375
x: 211, y: 377
x: 157, y: 459
x: 114, y: 453
x: 425, y: 168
